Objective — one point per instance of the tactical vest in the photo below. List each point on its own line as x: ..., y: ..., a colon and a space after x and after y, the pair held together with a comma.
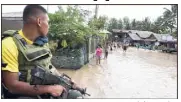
x: 30, y: 56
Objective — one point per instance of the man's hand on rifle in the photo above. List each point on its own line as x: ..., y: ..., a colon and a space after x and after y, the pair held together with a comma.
x: 56, y: 90
x: 74, y: 84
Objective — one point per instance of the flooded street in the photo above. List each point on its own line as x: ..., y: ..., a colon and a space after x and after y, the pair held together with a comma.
x: 137, y: 73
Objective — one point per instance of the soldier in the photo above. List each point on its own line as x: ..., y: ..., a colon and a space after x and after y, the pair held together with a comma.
x: 25, y: 49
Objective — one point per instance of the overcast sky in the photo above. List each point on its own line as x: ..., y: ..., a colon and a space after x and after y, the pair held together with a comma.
x: 138, y: 12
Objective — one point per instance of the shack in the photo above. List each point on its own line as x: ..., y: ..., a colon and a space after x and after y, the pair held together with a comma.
x: 167, y: 43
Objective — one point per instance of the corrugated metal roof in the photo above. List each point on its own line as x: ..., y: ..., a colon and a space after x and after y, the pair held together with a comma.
x: 12, y: 14
x: 13, y: 18
x: 143, y: 34
x: 134, y: 36
x: 160, y: 37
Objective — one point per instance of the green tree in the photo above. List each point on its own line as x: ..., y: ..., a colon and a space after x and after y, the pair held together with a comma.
x: 157, y: 26
x: 99, y: 23
x: 113, y: 24
x: 170, y: 17
x: 127, y: 24
x: 165, y: 23
x: 120, y: 24
x: 139, y: 25
x: 69, y: 25
x: 133, y: 24
x: 175, y: 33
x: 146, y: 24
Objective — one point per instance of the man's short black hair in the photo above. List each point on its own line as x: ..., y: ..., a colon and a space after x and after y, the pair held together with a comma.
x: 32, y: 10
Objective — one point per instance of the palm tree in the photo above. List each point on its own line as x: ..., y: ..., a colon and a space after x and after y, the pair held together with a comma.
x: 133, y: 24
x: 113, y: 24
x: 120, y: 24
x: 158, y: 27
x: 146, y: 24
x: 127, y: 24
x: 170, y: 17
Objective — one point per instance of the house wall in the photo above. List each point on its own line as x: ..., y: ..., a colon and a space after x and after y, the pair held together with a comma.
x: 121, y: 36
x: 11, y: 24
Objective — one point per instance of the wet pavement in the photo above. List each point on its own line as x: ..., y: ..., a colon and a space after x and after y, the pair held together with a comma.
x: 136, y: 73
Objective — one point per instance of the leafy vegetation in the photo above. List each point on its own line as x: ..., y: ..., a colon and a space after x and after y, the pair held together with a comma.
x: 68, y: 27
x: 166, y: 23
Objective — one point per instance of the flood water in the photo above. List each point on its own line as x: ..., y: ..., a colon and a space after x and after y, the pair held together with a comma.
x: 137, y: 73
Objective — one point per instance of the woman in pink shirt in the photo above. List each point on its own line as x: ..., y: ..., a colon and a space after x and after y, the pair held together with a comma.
x: 98, y: 54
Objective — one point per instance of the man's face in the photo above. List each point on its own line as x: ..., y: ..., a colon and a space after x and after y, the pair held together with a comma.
x: 43, y: 25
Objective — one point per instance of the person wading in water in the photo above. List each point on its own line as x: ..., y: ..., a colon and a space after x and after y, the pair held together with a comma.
x: 124, y: 47
x: 98, y: 54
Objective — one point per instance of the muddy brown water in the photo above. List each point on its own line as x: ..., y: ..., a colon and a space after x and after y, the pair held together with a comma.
x: 136, y: 73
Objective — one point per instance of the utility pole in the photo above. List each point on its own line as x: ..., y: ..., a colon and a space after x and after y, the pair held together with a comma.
x: 96, y: 11
x: 47, y: 8
x: 95, y: 17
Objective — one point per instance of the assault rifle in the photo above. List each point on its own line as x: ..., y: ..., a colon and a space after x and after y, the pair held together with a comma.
x: 41, y: 77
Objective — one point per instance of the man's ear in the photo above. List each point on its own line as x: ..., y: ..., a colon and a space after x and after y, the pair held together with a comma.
x: 39, y: 22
